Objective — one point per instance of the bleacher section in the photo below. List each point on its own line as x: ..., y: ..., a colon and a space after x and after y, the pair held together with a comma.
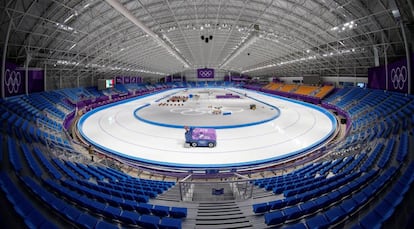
x: 294, y: 89
x: 86, y: 196
x: 339, y: 191
x: 307, y: 93
x: 364, y: 182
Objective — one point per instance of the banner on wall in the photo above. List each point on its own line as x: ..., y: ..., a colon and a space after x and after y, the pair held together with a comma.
x: 127, y: 79
x: 15, y: 80
x: 205, y: 73
x: 176, y: 79
x: 36, y: 80
x: 397, y: 76
x: 376, y: 78
x: 119, y: 80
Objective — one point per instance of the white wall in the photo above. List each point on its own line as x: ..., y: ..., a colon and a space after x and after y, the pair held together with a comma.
x: 333, y: 80
x: 336, y: 80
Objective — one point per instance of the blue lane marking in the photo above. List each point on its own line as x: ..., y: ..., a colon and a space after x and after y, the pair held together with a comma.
x: 206, y: 166
x: 207, y: 126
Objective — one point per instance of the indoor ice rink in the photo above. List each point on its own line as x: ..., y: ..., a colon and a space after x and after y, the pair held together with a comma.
x: 151, y: 130
x: 207, y: 114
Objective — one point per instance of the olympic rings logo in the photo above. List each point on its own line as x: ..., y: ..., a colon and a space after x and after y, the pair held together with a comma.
x: 13, y: 81
x: 206, y: 73
x: 399, y: 77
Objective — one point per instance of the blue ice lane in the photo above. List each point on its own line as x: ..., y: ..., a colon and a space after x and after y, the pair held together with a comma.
x: 214, y: 166
x: 206, y: 126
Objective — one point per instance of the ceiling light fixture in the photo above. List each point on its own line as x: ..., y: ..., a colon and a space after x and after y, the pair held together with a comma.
x: 240, y: 48
x: 124, y: 11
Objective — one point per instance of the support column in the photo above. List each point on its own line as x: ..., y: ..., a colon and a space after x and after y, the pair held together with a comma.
x: 408, y: 57
x: 376, y: 56
x: 77, y: 78
x: 3, y: 63
x: 386, y: 68
x: 92, y: 76
x: 44, y: 78
x: 60, y: 79
x: 26, y: 73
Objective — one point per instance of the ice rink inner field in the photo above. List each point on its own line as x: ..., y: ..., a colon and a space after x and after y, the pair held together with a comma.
x: 252, y: 127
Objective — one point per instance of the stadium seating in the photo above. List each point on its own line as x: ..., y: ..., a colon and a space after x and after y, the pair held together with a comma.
x: 362, y: 184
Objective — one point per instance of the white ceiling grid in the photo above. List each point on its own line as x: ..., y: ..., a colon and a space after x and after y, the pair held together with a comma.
x: 293, y: 37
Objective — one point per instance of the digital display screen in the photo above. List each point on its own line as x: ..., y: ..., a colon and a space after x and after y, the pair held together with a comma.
x: 361, y: 85
x: 105, y: 84
x: 110, y: 83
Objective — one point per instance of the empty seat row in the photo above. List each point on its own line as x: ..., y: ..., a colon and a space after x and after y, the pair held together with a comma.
x: 334, y: 213
x: 138, y: 215
x: 32, y: 217
x: 46, y: 163
x: 385, y: 208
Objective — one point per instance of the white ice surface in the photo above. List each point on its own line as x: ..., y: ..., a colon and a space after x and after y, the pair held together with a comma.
x: 116, y: 129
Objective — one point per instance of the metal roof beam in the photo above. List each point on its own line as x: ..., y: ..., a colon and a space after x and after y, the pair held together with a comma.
x: 124, y: 11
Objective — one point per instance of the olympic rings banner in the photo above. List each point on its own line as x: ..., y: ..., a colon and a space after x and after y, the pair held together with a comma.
x: 14, y: 80
x: 397, y: 76
x: 205, y: 73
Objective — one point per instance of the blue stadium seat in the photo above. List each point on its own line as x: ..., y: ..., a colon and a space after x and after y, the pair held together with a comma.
x: 296, y: 226
x: 349, y: 205
x: 371, y: 221
x: 178, y: 212
x: 277, y: 204
x: 160, y: 211
x: 129, y: 217
x: 360, y: 198
x: 149, y: 221
x: 169, y: 223
x: 48, y: 225
x: 261, y: 207
x: 317, y: 222
x: 307, y: 207
x: 322, y: 201
x: 292, y: 212
x: 384, y: 209
x: 335, y: 214
x: 274, y: 218
x: 87, y: 221
x: 144, y: 208
x: 105, y: 225
x: 112, y: 212
x: 72, y: 213
x: 34, y: 219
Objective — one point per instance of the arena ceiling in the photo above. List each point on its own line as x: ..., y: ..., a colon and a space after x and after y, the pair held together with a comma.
x: 157, y: 38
